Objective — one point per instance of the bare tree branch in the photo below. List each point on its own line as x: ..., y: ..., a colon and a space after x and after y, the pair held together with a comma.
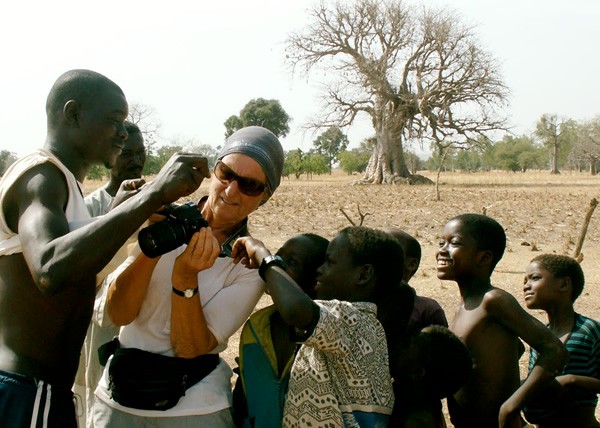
x: 416, y: 73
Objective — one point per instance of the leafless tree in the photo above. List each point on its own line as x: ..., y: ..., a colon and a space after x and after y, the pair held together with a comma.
x: 586, y: 147
x: 416, y: 73
x: 555, y: 133
x: 146, y: 118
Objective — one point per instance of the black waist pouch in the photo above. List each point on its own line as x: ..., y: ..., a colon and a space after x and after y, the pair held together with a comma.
x: 144, y: 380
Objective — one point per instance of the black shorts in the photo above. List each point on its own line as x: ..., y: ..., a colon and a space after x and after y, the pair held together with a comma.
x: 26, y: 402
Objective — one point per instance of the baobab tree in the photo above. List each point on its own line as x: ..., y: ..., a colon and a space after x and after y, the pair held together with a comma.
x: 415, y: 72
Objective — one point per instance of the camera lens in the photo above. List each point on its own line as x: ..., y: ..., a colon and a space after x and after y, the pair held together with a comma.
x: 160, y: 238
x: 177, y: 229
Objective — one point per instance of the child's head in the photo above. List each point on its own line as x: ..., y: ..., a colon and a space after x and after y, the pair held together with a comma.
x: 550, y: 279
x: 360, y: 262
x: 438, y: 360
x: 470, y: 242
x: 411, y: 248
x: 302, y: 255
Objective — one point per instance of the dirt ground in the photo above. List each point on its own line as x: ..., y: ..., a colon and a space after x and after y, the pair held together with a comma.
x: 538, y: 211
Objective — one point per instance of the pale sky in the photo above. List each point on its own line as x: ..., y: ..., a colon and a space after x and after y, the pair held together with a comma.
x: 198, y: 62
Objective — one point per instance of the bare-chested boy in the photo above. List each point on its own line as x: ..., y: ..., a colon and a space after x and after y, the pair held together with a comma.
x: 490, y: 322
x: 48, y: 265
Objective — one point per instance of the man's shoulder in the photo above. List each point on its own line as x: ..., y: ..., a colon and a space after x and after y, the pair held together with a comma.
x: 32, y: 164
x: 35, y: 180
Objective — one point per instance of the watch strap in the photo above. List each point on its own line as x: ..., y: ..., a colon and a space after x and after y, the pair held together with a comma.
x: 269, y: 261
x: 188, y: 293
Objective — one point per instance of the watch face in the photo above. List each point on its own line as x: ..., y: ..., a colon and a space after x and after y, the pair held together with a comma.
x: 189, y: 293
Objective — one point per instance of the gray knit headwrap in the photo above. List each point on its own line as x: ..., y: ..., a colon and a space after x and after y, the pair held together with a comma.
x: 261, y: 145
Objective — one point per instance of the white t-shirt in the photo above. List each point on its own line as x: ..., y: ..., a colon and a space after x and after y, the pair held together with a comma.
x: 98, y: 202
x: 228, y: 293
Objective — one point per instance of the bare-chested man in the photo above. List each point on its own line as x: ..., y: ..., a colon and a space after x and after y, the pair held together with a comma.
x: 50, y: 251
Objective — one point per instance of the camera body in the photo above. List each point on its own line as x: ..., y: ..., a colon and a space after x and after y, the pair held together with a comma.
x: 177, y: 229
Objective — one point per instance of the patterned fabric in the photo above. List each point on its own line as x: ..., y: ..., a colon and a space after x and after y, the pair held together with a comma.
x: 584, y: 359
x: 340, y: 376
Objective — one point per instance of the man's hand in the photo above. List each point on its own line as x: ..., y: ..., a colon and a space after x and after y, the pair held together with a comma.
x: 180, y: 176
x: 127, y: 189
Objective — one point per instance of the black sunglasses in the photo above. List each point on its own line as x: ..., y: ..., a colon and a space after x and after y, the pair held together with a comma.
x: 248, y: 186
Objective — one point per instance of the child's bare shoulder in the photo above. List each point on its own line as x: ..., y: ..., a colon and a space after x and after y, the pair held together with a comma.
x: 499, y: 301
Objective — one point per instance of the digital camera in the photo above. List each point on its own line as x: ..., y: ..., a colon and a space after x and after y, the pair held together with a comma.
x: 177, y: 229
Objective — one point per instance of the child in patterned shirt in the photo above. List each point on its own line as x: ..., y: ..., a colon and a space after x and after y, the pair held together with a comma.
x: 340, y: 376
x: 552, y: 283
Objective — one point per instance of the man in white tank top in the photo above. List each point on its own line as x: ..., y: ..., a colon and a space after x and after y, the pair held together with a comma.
x: 50, y: 252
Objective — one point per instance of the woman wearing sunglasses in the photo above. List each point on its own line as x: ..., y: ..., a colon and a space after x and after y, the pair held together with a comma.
x: 187, y: 303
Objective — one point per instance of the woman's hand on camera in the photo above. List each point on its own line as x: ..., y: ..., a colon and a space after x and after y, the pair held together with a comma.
x: 200, y: 254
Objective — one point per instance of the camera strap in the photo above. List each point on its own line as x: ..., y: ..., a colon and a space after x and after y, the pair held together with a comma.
x: 241, y: 231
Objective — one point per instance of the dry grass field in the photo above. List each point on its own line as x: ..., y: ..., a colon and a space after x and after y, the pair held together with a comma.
x: 538, y: 211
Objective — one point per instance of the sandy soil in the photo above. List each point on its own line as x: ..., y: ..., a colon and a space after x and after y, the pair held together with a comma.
x: 539, y: 212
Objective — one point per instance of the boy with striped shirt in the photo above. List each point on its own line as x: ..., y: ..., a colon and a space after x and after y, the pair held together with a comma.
x: 552, y: 283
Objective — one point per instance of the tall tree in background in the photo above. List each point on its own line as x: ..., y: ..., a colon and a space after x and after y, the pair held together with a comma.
x: 314, y: 163
x: 293, y: 163
x: 260, y: 112
x: 556, y: 133
x: 414, y: 73
x: 330, y: 143
x: 514, y: 154
x: 586, y: 146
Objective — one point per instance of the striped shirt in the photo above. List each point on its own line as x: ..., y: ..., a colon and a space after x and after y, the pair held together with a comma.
x: 583, y: 346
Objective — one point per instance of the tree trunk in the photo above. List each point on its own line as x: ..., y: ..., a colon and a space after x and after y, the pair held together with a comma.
x: 554, y: 160
x: 439, y: 171
x: 387, y: 160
